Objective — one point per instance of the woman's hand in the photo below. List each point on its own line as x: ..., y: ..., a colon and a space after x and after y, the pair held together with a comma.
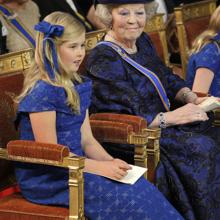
x: 115, y: 168
x: 186, y: 114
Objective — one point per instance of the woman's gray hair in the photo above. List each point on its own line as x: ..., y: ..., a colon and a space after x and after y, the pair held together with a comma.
x: 104, y: 12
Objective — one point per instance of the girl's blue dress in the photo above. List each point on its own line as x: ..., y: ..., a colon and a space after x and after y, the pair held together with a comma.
x: 104, y: 199
x: 189, y: 169
x: 208, y: 57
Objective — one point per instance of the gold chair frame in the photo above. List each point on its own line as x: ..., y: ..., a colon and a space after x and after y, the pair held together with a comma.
x: 185, y: 13
x: 76, y: 181
x: 16, y: 61
x: 92, y: 38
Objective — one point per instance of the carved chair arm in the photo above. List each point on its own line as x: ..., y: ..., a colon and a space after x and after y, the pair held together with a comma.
x: 111, y: 131
x: 129, y: 129
x: 137, y: 123
x: 53, y: 155
x: 37, y: 151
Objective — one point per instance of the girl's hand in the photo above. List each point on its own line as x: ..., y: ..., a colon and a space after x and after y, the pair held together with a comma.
x: 186, y: 114
x: 115, y: 168
x: 200, y: 100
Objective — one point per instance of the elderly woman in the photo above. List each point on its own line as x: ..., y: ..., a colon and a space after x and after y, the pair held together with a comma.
x: 129, y: 77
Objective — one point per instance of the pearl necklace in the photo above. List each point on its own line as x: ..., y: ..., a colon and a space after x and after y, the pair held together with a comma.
x: 109, y: 37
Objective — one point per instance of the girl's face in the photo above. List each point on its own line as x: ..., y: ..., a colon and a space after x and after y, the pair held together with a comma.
x: 128, y: 21
x: 72, y: 53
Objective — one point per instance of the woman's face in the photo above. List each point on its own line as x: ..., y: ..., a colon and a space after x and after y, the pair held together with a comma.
x: 128, y: 21
x: 72, y: 53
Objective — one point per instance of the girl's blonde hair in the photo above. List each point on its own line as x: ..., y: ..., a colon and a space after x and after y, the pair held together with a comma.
x: 207, y: 36
x: 64, y: 78
x: 104, y: 11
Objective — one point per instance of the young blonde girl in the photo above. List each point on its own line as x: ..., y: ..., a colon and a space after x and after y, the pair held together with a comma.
x: 53, y: 108
x: 203, y: 72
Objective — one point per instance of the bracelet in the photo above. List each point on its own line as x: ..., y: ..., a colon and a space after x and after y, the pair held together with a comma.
x: 162, y: 120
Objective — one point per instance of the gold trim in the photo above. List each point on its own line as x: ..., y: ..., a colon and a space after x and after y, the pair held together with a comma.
x: 92, y: 38
x: 16, y: 61
x: 140, y: 149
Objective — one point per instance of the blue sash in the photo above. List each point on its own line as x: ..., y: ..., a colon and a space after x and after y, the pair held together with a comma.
x: 149, y: 74
x: 17, y: 25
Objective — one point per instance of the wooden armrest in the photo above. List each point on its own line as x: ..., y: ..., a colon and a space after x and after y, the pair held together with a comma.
x: 111, y: 131
x: 41, y: 153
x: 37, y: 150
x: 53, y: 155
x: 138, y: 123
x: 129, y: 129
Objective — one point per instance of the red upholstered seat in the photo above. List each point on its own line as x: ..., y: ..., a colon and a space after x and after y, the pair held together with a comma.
x: 15, y: 207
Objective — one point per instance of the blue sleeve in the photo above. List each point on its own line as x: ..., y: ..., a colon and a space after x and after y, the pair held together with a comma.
x: 208, y: 57
x: 41, y: 98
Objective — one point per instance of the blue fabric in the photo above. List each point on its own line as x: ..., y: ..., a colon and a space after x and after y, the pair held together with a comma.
x: 208, y: 57
x: 152, y: 77
x: 49, y: 30
x: 189, y: 170
x: 104, y: 199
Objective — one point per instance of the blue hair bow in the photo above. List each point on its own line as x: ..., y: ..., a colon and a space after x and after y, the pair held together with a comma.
x: 50, y: 31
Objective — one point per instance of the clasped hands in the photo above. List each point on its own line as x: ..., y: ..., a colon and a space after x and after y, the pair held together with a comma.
x: 188, y: 113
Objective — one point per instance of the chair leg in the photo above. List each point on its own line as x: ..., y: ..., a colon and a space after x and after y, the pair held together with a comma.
x: 76, y: 189
x: 153, y: 152
x: 140, y: 156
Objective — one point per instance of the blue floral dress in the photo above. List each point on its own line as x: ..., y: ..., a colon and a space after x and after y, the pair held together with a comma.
x: 104, y: 199
x: 208, y: 57
x: 189, y: 169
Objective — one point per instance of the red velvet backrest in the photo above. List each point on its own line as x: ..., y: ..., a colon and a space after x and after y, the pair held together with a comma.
x: 10, y: 85
x: 195, y: 27
x: 155, y: 38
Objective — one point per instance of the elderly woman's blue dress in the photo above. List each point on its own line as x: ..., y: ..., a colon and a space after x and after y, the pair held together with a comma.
x: 189, y: 169
x: 104, y: 199
x: 208, y: 57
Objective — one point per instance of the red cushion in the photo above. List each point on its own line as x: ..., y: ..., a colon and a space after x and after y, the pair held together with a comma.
x: 15, y: 207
